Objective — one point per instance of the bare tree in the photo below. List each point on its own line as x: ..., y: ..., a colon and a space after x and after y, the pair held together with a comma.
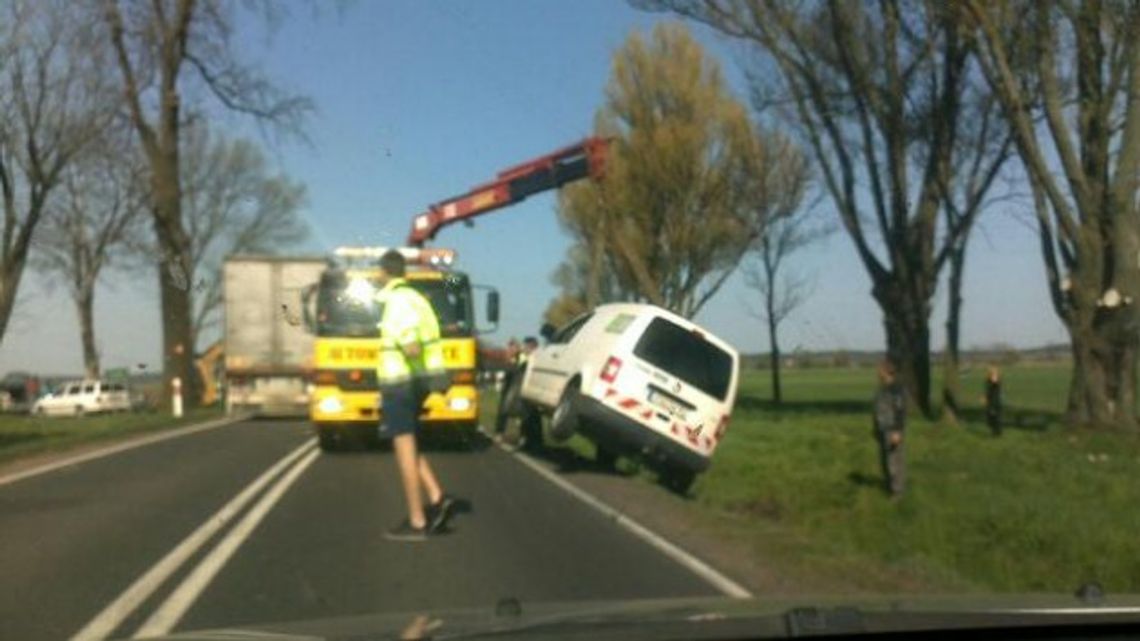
x: 782, y: 182
x: 161, y: 47
x: 50, y: 108
x: 94, y: 218
x: 870, y: 87
x: 232, y: 204
x: 1080, y: 62
x: 986, y: 145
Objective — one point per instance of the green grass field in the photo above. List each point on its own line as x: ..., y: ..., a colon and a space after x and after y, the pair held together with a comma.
x: 22, y: 435
x: 1040, y: 508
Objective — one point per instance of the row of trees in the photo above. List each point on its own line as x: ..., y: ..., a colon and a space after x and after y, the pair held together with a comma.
x: 910, y: 111
x: 107, y: 159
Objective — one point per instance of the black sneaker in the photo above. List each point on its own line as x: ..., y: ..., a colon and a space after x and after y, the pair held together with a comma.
x: 405, y: 531
x: 438, y: 513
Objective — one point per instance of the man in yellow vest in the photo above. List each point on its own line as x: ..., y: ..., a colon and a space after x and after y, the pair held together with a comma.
x: 410, y: 362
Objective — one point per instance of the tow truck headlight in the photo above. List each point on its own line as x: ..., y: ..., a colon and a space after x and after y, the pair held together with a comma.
x: 330, y: 405
x: 459, y: 404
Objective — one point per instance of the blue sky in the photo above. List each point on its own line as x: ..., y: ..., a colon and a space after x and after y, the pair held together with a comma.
x: 418, y: 101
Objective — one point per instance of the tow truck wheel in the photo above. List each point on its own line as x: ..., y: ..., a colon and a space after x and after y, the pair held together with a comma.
x: 564, y: 421
x: 327, y: 440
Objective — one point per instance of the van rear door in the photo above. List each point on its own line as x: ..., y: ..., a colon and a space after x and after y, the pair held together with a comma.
x: 693, y: 381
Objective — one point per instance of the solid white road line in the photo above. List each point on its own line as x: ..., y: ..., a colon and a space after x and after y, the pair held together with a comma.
x: 700, y: 568
x: 172, y: 610
x: 119, y: 447
x: 114, y: 614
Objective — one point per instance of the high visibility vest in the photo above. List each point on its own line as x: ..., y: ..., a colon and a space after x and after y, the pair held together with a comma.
x: 406, y: 317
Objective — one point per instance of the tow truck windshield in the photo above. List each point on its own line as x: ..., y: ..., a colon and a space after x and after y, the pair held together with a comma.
x: 345, y: 306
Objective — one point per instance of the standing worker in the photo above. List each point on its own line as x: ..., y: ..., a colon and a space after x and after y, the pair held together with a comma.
x: 502, y: 415
x: 531, y: 427
x: 410, y: 358
x: 993, y: 400
x: 890, y: 422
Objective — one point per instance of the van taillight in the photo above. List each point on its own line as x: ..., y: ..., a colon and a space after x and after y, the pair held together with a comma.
x: 722, y: 427
x: 610, y: 371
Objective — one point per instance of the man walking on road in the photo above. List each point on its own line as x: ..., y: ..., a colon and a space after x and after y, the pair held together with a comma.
x: 890, y: 422
x: 410, y: 358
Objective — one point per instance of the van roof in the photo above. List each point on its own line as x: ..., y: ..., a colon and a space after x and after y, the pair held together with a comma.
x: 645, y: 308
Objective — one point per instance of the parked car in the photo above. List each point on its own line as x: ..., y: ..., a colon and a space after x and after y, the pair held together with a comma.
x: 77, y: 398
x: 637, y: 380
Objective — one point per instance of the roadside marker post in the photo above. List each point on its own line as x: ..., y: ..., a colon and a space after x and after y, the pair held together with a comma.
x: 176, y: 397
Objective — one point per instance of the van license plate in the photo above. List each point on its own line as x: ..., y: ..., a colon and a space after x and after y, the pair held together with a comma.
x: 666, y: 403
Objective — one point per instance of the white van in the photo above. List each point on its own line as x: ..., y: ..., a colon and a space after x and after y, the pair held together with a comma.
x: 637, y: 380
x: 84, y: 397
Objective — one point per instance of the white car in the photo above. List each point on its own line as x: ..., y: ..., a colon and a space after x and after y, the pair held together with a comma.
x: 84, y: 397
x: 637, y: 380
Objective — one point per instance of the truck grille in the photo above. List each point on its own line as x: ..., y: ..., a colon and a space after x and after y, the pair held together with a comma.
x: 356, y: 380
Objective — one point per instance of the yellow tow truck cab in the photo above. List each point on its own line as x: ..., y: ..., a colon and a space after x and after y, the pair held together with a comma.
x: 344, y: 395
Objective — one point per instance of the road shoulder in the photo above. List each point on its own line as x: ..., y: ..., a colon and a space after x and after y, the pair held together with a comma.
x: 35, y: 464
x: 764, y: 557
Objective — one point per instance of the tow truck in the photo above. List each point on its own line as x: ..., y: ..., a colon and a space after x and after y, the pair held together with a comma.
x: 339, y: 310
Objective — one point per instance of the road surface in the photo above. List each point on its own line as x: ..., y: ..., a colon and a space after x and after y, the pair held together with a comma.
x: 250, y: 523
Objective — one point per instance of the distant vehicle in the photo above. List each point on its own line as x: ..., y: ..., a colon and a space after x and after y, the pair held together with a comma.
x: 636, y: 380
x: 268, y: 351
x: 78, y: 398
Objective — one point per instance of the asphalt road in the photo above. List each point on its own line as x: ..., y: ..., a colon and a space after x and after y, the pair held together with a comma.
x: 306, y: 544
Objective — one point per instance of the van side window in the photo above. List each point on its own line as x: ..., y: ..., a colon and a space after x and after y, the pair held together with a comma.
x: 89, y: 388
x: 72, y: 390
x: 567, y: 333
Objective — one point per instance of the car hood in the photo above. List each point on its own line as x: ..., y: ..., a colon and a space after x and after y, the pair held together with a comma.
x: 707, y: 618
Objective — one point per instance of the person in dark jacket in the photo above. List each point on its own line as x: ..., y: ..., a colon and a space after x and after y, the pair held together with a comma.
x: 993, y: 400
x: 890, y: 423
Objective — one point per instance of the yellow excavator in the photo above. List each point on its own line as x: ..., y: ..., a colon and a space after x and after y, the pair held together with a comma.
x: 208, y: 364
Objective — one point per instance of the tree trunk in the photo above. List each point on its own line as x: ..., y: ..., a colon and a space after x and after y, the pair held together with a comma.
x: 773, y: 324
x: 9, y: 287
x: 173, y: 281
x: 908, y: 343
x: 777, y: 392
x: 951, y: 387
x: 1102, y: 392
x: 84, y: 304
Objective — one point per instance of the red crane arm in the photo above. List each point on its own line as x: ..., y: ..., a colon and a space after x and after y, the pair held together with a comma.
x: 581, y: 160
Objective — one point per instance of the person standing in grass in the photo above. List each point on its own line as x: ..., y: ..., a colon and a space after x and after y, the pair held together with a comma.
x: 993, y: 400
x: 890, y: 422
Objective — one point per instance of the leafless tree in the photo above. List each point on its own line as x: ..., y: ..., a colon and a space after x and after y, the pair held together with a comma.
x: 1077, y: 65
x: 51, y: 106
x: 94, y: 217
x: 165, y: 50
x: 233, y: 204
x: 870, y: 86
x: 782, y: 177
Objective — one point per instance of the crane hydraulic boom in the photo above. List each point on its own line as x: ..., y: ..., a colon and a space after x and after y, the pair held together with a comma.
x: 581, y: 160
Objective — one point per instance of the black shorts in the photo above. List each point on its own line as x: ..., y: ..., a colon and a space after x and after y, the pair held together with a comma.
x: 400, y: 407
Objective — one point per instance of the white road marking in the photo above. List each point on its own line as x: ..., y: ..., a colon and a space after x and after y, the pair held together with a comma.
x: 114, y: 614
x: 176, y: 605
x: 700, y: 568
x: 119, y: 447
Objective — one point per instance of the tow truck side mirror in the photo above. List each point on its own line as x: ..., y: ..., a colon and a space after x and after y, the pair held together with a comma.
x: 493, y: 307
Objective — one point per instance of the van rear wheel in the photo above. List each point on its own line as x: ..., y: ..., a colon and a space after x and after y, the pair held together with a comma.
x: 564, y: 421
x: 678, y: 480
